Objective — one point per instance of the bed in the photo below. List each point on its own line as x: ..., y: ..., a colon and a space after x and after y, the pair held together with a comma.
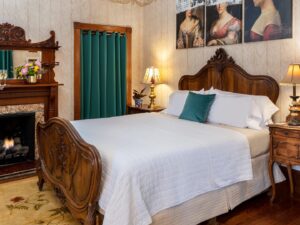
x: 85, y: 179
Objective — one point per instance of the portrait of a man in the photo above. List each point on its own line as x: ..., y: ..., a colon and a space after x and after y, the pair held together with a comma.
x: 268, y: 20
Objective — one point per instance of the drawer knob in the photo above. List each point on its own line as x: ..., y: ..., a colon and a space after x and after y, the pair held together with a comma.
x: 286, y: 133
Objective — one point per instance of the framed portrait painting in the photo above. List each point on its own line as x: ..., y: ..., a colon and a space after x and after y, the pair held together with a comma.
x: 190, y: 16
x: 268, y: 20
x: 224, y: 22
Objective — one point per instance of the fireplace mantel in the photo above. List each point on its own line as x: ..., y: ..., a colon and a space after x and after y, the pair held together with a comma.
x: 17, y: 91
x: 19, y: 96
x: 22, y: 94
x: 22, y: 98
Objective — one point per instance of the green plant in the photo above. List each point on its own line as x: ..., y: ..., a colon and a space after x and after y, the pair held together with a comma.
x: 138, y: 95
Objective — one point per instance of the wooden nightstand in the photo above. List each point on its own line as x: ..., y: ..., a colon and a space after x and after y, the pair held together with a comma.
x: 284, y: 149
x: 143, y: 109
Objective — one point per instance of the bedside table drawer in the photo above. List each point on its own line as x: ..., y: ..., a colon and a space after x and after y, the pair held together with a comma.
x: 287, y: 133
x: 286, y: 147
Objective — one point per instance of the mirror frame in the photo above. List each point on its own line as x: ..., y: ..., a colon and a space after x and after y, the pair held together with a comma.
x: 14, y: 38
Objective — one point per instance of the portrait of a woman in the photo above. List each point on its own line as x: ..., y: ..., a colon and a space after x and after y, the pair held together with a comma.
x: 190, y: 23
x: 224, y: 27
x: 267, y: 20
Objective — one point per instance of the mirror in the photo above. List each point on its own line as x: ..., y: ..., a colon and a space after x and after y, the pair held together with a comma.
x: 16, y: 50
x: 10, y: 59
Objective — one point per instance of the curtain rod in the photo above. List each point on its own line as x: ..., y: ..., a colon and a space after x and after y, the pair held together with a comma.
x: 108, y: 32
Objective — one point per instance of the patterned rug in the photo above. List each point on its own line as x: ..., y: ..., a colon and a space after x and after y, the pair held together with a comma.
x: 21, y: 203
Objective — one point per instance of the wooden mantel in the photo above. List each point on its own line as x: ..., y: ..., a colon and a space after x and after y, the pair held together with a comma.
x: 21, y: 94
x: 28, y: 97
x: 17, y: 91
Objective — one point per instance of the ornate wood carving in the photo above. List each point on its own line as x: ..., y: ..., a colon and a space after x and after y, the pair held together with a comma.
x: 222, y: 73
x: 9, y: 32
x: 14, y: 37
x: 72, y: 166
x: 221, y: 57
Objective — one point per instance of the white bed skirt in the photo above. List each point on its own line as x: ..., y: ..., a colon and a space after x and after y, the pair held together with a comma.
x: 218, y: 202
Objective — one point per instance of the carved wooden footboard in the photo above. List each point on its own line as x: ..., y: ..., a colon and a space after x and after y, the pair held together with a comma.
x: 72, y: 166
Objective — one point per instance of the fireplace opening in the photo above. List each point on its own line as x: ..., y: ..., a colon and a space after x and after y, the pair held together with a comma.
x: 17, y: 135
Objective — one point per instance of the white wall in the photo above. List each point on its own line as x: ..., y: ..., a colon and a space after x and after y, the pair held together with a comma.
x: 38, y: 17
x: 159, y: 36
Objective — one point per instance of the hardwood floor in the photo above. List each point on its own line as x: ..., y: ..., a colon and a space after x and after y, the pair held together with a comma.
x: 259, y: 210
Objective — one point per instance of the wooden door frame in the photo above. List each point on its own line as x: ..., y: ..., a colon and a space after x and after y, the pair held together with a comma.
x: 97, y: 27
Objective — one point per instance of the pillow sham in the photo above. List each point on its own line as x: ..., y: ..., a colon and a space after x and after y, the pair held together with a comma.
x: 197, y: 107
x: 262, y: 110
x: 231, y: 110
x: 177, y: 100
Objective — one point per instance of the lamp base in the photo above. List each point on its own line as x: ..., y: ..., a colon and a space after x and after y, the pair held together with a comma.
x: 151, y: 106
x: 293, y: 119
x: 294, y: 122
x: 152, y: 97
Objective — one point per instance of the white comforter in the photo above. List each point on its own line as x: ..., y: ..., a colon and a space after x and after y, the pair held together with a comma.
x: 153, y: 161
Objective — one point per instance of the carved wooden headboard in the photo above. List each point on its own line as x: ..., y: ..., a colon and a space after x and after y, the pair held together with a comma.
x: 222, y: 73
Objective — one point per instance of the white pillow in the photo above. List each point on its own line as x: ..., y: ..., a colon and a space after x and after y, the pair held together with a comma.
x: 266, y: 107
x: 177, y: 101
x: 231, y: 110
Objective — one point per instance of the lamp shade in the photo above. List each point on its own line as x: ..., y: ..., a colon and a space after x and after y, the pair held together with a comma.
x: 293, y: 75
x: 151, y: 76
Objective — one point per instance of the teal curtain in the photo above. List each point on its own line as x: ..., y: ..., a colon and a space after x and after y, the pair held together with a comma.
x: 6, y: 62
x: 103, y: 75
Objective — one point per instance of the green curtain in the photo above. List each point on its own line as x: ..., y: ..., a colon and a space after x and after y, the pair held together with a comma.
x: 6, y: 62
x: 103, y: 75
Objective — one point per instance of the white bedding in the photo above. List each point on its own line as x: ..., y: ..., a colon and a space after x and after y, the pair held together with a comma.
x: 258, y: 140
x: 153, y: 161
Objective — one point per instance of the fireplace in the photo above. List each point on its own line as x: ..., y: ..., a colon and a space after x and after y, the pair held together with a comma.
x: 17, y: 140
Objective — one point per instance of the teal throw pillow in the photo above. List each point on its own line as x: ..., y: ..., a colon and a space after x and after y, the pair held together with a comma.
x: 197, y: 107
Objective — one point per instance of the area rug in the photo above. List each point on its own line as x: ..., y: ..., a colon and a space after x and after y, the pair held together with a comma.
x: 21, y: 203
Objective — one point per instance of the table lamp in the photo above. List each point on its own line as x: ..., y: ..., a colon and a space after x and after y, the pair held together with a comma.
x: 152, y: 77
x: 293, y: 78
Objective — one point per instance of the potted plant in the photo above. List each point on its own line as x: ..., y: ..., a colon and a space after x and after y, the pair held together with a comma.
x: 138, y: 97
x: 30, y: 71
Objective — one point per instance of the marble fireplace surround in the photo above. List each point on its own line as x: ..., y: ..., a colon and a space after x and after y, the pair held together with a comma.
x: 38, y: 109
x: 18, y: 170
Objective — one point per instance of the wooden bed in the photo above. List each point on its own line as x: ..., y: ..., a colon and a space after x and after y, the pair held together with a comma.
x: 73, y: 166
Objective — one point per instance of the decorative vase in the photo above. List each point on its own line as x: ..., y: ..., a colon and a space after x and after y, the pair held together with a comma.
x: 31, y: 79
x: 138, y: 102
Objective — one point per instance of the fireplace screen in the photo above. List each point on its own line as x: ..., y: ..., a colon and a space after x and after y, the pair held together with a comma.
x: 17, y: 135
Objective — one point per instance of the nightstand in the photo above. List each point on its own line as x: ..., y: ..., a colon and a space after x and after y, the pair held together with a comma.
x: 284, y: 149
x: 143, y: 109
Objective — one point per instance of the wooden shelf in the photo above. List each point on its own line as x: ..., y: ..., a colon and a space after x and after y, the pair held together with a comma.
x: 8, y: 86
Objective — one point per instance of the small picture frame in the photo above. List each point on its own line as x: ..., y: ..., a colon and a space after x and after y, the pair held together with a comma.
x: 32, y: 59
